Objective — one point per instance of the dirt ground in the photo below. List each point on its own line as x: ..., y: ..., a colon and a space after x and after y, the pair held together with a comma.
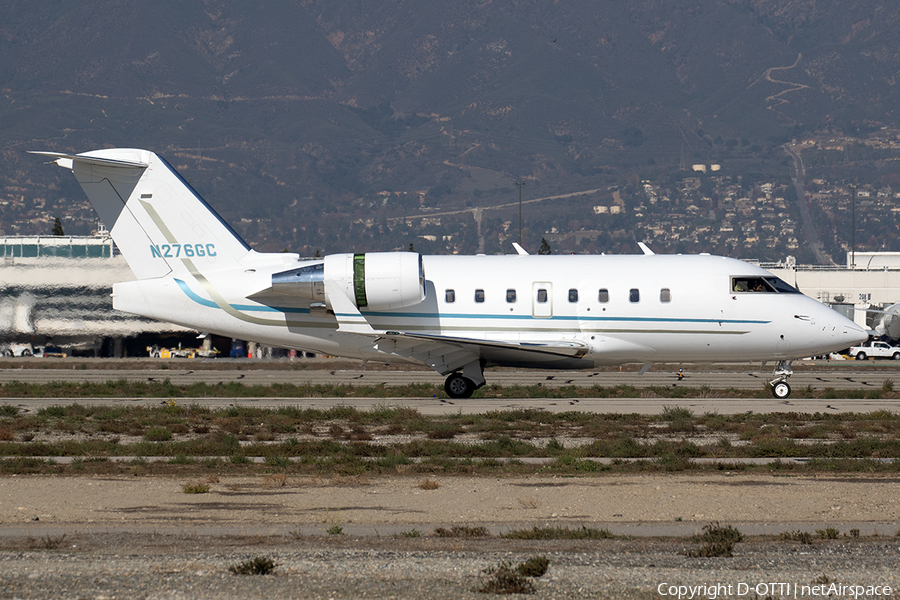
x: 346, y: 538
x: 663, y: 504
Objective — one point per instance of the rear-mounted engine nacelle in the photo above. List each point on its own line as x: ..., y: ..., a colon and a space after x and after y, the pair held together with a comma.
x: 374, y: 280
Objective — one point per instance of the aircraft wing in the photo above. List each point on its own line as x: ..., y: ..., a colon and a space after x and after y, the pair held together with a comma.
x: 446, y: 354
x: 567, y: 348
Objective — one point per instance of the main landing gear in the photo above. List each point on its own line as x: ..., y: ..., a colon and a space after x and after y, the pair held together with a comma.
x: 458, y: 386
x: 780, y: 387
x: 462, y: 384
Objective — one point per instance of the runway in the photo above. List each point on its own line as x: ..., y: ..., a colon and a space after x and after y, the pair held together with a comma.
x: 654, y: 391
x: 844, y: 376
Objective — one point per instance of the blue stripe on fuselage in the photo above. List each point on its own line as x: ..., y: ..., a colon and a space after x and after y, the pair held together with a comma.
x: 414, y: 315
x: 245, y: 307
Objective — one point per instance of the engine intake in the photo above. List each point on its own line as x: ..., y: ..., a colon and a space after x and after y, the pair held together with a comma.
x: 374, y: 280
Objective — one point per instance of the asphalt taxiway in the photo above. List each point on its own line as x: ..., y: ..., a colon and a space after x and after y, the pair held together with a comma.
x: 654, y: 391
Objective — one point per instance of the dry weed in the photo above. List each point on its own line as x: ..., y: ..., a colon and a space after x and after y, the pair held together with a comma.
x: 529, y: 502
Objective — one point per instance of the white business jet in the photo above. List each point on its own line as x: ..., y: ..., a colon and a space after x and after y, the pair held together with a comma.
x: 456, y: 314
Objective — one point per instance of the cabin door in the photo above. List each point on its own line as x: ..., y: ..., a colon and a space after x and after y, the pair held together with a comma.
x: 542, y: 299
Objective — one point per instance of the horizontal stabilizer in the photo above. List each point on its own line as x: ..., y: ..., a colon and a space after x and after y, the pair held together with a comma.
x: 89, y: 160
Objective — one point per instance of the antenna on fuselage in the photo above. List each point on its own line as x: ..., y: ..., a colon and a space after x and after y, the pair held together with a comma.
x: 645, y: 249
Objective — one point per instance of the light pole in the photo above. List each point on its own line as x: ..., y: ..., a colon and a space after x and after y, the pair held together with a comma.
x: 520, y: 184
x: 853, y: 187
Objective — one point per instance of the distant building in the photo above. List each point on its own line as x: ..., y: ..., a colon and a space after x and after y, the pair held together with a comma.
x: 873, y: 284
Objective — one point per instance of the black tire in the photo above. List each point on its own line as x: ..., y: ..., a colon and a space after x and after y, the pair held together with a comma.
x: 458, y: 386
x: 896, y: 356
x: 861, y: 356
x: 26, y: 352
x: 781, y: 390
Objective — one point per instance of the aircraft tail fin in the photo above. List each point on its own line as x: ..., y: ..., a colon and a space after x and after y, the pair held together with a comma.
x: 157, y: 220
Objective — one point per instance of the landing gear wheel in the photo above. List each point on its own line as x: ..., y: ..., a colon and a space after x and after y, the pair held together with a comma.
x: 781, y: 390
x: 458, y: 386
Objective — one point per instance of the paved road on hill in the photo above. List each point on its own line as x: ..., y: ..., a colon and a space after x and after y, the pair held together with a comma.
x: 809, y: 227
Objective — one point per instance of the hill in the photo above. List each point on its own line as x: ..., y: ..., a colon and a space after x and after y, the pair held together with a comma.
x: 300, y: 116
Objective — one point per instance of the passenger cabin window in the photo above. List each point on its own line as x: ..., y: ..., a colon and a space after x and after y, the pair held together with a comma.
x: 765, y: 285
x: 542, y: 296
x: 511, y: 296
x: 634, y: 295
x: 603, y: 296
x: 573, y: 295
x: 449, y: 296
x: 479, y: 295
x: 665, y: 295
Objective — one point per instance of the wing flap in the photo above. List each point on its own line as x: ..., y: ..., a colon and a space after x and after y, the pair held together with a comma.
x: 566, y: 348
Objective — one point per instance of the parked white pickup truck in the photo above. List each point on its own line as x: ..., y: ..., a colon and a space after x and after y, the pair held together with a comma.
x: 875, y: 350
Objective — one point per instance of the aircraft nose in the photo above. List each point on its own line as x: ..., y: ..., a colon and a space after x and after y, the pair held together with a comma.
x: 853, y: 334
x: 846, y: 332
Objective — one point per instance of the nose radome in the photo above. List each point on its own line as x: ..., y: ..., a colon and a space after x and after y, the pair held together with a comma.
x: 846, y: 331
x: 853, y: 334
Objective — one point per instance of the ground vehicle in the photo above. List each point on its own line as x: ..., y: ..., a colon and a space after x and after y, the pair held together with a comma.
x: 875, y: 350
x: 179, y: 352
x: 15, y: 349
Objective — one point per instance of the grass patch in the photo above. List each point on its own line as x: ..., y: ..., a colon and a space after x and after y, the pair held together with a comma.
x: 503, y: 578
x: 559, y: 533
x: 535, y: 566
x: 460, y: 531
x: 804, y: 537
x: 195, y: 488
x: 261, y: 565
x: 412, y: 533
x: 717, y: 540
x: 343, y: 440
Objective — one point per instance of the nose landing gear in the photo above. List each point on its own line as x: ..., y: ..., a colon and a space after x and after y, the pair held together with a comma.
x: 780, y: 387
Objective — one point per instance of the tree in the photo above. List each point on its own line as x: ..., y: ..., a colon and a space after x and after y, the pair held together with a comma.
x: 545, y: 247
x: 58, y: 228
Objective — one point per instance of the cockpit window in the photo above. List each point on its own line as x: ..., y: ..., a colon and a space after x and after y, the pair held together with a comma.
x: 781, y: 286
x: 767, y: 285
